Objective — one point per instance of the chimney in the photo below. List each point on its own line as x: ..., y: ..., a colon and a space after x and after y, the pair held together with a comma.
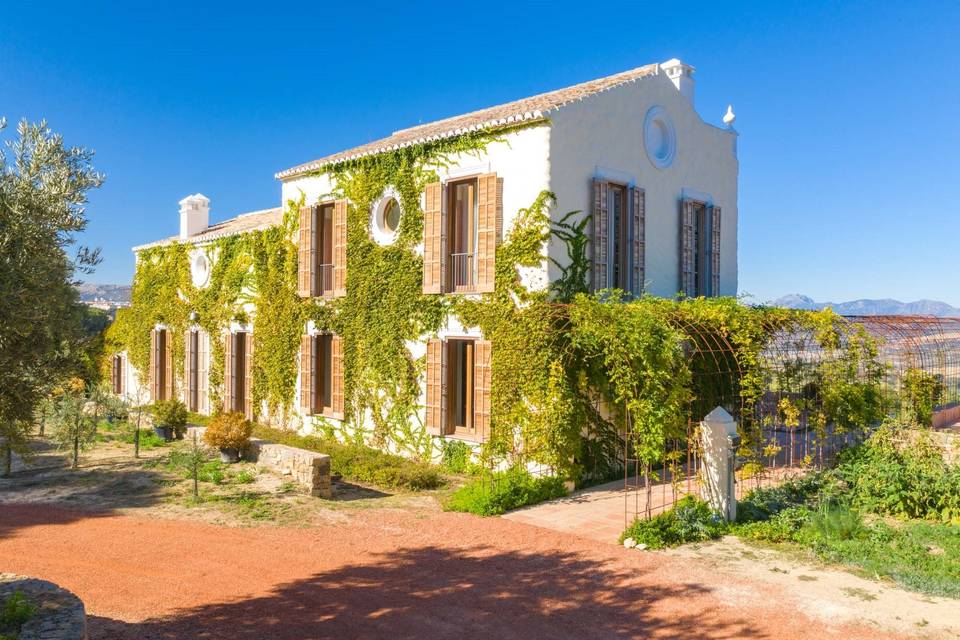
x: 194, y: 215
x: 681, y: 75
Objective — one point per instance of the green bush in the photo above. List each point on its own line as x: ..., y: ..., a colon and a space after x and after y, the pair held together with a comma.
x: 15, y: 611
x: 456, y: 456
x: 765, y: 502
x: 170, y: 413
x: 148, y: 439
x: 207, y: 471
x: 498, y: 493
x: 782, y: 526
x: 889, y: 475
x: 690, y: 520
x: 359, y: 463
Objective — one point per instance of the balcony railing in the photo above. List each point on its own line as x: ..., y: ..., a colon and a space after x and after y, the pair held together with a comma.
x: 462, y: 271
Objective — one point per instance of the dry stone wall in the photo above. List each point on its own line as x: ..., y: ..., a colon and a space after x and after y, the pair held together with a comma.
x: 60, y: 615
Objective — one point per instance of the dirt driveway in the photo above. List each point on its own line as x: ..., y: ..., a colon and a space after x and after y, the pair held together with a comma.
x: 383, y: 573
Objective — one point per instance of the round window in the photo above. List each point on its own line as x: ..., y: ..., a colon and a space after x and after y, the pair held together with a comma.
x: 391, y: 216
x: 200, y: 271
x: 659, y: 137
x: 385, y: 218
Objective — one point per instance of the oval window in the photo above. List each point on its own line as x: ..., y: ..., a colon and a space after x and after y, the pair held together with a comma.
x: 385, y: 218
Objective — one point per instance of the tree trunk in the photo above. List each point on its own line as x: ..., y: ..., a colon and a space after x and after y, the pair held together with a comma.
x: 76, y: 451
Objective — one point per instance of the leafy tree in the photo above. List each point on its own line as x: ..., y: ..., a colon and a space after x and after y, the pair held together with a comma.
x: 75, y: 419
x: 43, y: 190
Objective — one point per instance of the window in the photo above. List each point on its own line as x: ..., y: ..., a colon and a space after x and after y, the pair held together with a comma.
x: 324, y: 244
x: 391, y: 215
x: 162, y: 382
x: 236, y: 400
x: 322, y: 401
x: 619, y: 247
x: 701, y: 239
x: 699, y: 248
x: 193, y: 371
x: 117, y: 379
x: 462, y: 233
x: 460, y: 387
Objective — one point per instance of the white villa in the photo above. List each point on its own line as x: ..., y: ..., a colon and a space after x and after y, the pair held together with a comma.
x: 629, y: 149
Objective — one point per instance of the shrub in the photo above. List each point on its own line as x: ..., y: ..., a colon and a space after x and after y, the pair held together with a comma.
x: 498, y: 493
x: 783, y: 526
x: 690, y: 520
x: 148, y: 439
x: 765, y: 502
x: 15, y: 611
x: 359, y: 463
x: 456, y: 456
x: 228, y: 431
x: 170, y: 413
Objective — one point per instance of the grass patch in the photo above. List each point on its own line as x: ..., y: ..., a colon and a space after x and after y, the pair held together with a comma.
x: 359, y: 463
x: 498, y: 493
x: 690, y: 520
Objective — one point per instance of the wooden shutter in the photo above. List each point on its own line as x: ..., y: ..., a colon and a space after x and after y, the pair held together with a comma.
x: 229, y: 376
x: 600, y: 239
x: 436, y: 414
x: 434, y: 239
x: 168, y: 373
x: 190, y: 382
x: 307, y: 255
x: 482, y: 353
x: 340, y: 248
x: 203, y: 373
x: 336, y: 372
x: 248, y: 406
x: 715, y: 252
x: 688, y: 218
x: 306, y: 375
x: 489, y: 222
x: 152, y: 372
x: 638, y: 223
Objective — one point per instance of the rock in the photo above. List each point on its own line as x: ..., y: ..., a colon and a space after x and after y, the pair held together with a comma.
x: 630, y: 543
x: 640, y: 547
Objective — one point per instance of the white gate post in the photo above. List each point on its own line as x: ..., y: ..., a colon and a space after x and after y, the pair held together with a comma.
x: 718, y: 433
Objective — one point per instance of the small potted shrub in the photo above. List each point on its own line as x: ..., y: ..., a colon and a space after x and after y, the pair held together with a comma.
x: 230, y: 433
x: 169, y: 419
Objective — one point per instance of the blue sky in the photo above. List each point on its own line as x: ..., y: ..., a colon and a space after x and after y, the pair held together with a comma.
x: 848, y: 112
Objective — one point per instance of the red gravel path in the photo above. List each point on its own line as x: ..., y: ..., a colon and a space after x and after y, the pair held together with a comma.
x: 384, y: 574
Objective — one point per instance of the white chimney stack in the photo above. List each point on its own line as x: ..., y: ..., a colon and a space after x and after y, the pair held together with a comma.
x: 681, y: 75
x: 194, y: 215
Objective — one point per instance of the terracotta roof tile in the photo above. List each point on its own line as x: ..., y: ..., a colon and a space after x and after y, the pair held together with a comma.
x: 525, y: 110
x: 244, y: 222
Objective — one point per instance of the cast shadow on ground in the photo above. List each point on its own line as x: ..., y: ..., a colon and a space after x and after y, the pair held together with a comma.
x: 443, y: 594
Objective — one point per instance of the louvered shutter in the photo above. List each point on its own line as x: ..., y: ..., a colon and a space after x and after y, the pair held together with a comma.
x: 688, y: 216
x: 189, y: 380
x: 113, y: 374
x: 336, y: 373
x: 434, y: 239
x: 489, y: 222
x: 600, y: 235
x: 638, y: 223
x: 152, y: 372
x: 435, y: 419
x: 340, y: 248
x: 482, y: 353
x: 307, y: 255
x: 715, y: 252
x: 248, y: 406
x: 168, y: 372
x: 203, y: 373
x: 306, y: 375
x: 230, y: 375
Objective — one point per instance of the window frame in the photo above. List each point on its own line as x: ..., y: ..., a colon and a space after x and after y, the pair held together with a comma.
x: 618, y: 238
x: 321, y: 361
x: 460, y: 370
x: 452, y: 227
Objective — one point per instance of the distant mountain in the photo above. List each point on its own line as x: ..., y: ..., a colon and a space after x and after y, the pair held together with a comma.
x: 884, y: 307
x: 105, y: 292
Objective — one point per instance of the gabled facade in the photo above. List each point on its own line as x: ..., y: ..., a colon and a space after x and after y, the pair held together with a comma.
x: 630, y: 151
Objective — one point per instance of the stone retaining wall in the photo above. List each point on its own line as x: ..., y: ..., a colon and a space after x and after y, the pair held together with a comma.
x: 60, y: 614
x: 308, y: 468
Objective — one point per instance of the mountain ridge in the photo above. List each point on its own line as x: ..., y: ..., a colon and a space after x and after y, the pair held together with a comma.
x: 871, y: 307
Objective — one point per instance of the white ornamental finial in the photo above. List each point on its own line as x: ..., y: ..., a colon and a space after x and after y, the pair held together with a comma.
x: 729, y: 117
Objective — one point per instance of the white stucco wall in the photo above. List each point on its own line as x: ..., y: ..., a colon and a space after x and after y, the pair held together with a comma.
x: 605, y: 133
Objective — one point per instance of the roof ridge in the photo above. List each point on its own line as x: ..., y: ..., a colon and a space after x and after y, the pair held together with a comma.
x: 517, y: 111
